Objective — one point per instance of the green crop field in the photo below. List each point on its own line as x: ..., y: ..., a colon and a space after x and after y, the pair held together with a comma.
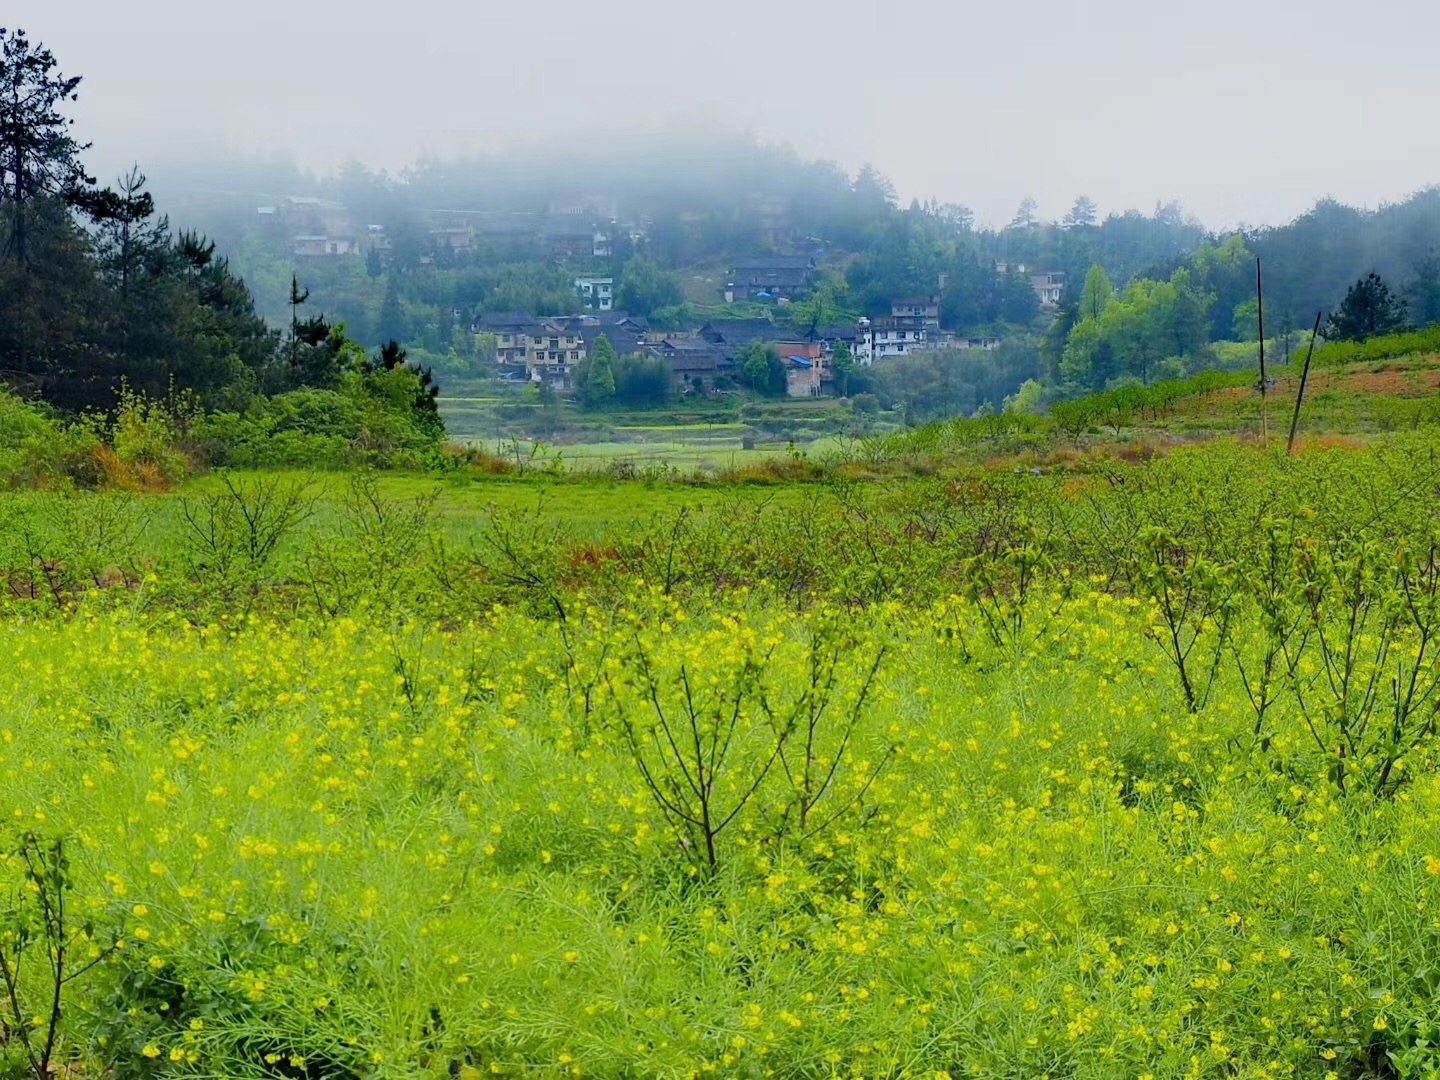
x: 966, y: 753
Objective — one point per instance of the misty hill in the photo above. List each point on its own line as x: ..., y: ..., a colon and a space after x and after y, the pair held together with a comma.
x: 693, y: 204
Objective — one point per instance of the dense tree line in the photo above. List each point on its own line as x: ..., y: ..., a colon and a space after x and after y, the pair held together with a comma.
x: 100, y: 297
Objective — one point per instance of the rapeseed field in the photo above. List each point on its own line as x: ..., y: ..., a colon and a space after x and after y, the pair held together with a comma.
x: 1042, y: 821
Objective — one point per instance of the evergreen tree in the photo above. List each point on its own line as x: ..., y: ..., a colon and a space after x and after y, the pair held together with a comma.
x: 1369, y: 309
x: 1020, y: 304
x: 598, y: 386
x: 127, y: 237
x: 642, y: 380
x: 38, y: 155
x: 392, y: 325
x: 1082, y: 215
x: 225, y: 323
x: 1025, y: 215
x: 1423, y: 291
x: 298, y: 297
x: 316, y: 355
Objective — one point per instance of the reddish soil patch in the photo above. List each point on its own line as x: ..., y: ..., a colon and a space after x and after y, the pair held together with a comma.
x: 1390, y: 382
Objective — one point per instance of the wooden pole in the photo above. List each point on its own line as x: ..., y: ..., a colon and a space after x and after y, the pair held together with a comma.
x: 1260, y: 312
x: 1304, y: 374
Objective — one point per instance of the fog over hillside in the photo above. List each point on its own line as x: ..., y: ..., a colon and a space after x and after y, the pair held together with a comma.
x: 1243, y: 112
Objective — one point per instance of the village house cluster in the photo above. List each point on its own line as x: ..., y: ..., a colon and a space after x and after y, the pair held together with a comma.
x: 582, y: 235
x: 550, y: 350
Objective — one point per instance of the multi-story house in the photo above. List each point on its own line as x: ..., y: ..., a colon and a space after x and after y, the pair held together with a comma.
x: 921, y: 312
x: 1049, y: 288
x: 556, y: 350
x: 512, y: 337
x: 806, y: 373
x: 596, y: 293
x: 880, y: 339
x: 626, y: 334
x: 913, y: 325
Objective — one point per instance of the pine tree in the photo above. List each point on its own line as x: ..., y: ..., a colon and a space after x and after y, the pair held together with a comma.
x: 1083, y: 214
x: 297, y: 298
x: 38, y: 155
x: 127, y: 235
x: 1369, y: 309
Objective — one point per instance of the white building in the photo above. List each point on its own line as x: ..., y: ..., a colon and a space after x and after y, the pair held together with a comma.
x: 1049, y: 288
x: 884, y: 338
x: 596, y: 293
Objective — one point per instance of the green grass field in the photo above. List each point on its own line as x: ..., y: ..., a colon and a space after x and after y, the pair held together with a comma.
x: 1083, y: 763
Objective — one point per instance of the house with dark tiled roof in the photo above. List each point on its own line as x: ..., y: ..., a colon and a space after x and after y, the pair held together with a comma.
x: 625, y: 333
x: 512, y: 332
x: 695, y: 362
x: 771, y: 277
x: 830, y: 336
x: 738, y: 333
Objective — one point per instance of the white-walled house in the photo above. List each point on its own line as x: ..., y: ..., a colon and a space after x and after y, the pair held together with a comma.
x: 880, y: 339
x: 596, y: 293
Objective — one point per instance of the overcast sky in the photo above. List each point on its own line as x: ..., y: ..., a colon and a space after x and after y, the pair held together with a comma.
x: 1244, y: 110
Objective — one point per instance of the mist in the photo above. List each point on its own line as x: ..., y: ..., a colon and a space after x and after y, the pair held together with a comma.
x: 1244, y: 113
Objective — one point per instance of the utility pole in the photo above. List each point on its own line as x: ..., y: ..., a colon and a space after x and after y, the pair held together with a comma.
x: 1260, y: 312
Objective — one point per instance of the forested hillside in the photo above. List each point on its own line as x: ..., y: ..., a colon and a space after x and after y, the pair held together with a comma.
x: 1184, y: 296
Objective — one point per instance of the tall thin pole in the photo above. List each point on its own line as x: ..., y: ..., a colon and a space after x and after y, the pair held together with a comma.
x: 1260, y: 312
x: 1304, y: 374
